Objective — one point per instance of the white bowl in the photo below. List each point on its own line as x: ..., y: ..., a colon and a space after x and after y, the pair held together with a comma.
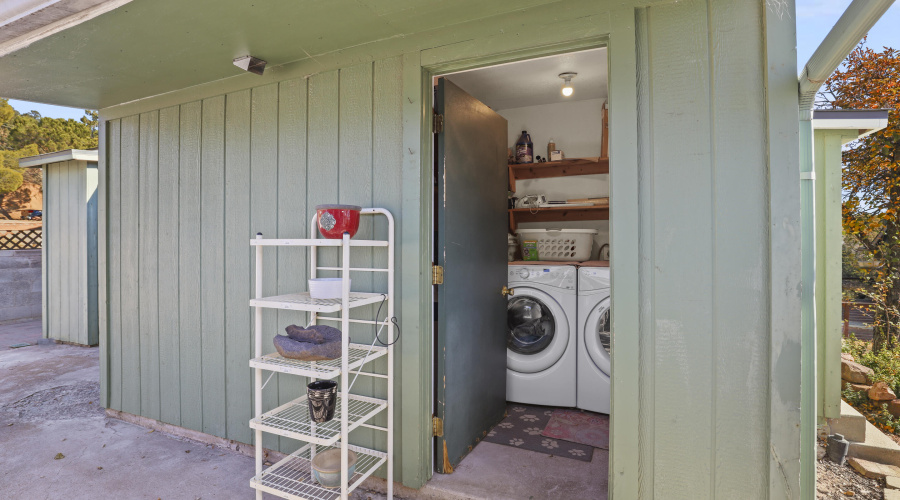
x: 325, y: 288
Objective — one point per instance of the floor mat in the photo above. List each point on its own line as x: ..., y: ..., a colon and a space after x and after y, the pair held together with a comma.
x: 522, y: 429
x: 577, y: 426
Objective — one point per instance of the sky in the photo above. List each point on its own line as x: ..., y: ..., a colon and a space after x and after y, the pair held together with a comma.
x: 814, y: 19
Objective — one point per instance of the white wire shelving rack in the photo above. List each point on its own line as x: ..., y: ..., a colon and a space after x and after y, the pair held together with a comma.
x: 291, y: 477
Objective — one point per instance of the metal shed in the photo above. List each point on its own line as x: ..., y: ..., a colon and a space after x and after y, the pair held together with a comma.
x: 69, y: 281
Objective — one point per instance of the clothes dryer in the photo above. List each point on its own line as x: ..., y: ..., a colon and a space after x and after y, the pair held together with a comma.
x: 540, y: 354
x: 594, y: 339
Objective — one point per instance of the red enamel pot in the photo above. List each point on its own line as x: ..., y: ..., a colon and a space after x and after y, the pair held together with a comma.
x: 335, y: 220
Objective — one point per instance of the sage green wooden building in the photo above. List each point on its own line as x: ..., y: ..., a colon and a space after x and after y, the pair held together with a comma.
x: 196, y: 156
x: 70, y: 312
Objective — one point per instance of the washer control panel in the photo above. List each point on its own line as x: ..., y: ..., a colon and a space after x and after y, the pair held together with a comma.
x: 558, y: 276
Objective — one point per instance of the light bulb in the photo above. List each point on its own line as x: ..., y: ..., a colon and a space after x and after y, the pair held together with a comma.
x: 567, y: 89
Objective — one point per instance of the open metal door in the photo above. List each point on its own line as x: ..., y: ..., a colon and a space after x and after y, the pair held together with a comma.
x: 470, y: 244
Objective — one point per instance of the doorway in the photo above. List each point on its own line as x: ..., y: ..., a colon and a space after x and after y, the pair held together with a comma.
x: 527, y: 363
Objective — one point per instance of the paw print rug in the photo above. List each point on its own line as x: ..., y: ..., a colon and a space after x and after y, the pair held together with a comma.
x: 524, y: 428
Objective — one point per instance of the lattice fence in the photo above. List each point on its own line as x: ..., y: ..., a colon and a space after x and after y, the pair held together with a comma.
x: 20, y: 240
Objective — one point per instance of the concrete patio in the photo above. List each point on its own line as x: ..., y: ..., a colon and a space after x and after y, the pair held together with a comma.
x: 49, y: 405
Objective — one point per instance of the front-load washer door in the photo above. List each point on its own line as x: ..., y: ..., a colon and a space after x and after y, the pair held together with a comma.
x: 537, y: 331
x: 598, y: 335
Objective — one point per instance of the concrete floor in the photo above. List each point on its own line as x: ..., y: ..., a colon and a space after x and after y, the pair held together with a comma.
x: 20, y: 332
x: 49, y: 405
x: 497, y: 472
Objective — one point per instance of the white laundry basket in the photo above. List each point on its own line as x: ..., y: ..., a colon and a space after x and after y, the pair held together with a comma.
x: 561, y: 244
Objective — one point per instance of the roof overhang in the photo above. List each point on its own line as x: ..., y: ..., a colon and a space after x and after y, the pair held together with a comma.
x: 152, y: 47
x: 864, y: 121
x: 59, y: 156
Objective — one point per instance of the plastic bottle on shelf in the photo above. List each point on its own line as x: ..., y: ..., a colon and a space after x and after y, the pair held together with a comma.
x: 551, y: 147
x: 524, y: 149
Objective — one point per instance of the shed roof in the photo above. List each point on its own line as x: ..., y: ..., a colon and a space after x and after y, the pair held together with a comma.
x: 866, y: 121
x: 59, y: 156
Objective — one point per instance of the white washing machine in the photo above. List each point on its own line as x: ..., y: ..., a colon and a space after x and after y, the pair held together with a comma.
x: 594, y: 336
x: 540, y: 342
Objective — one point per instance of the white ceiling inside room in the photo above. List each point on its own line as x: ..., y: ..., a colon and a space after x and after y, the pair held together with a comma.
x: 536, y: 81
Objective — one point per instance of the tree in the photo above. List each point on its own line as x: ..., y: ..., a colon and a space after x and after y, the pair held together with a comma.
x: 29, y: 134
x: 871, y: 176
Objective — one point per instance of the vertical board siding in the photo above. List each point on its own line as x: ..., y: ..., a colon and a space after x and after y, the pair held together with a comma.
x: 238, y: 331
x: 188, y: 187
x: 387, y: 132
x: 167, y: 246
x: 739, y: 262
x: 130, y: 315
x: 293, y: 222
x: 149, y: 263
x: 704, y: 334
x: 189, y: 224
x: 682, y: 321
x: 212, y: 260
x: 264, y: 215
x: 114, y: 259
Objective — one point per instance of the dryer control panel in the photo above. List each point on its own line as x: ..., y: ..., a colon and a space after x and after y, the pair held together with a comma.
x: 557, y: 276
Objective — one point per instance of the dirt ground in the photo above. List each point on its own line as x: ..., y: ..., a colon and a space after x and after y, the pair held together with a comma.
x: 835, y: 482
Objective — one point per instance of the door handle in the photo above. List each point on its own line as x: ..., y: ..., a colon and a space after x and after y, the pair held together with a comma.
x: 507, y: 291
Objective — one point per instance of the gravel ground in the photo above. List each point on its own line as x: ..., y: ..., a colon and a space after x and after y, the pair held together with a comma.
x: 835, y: 481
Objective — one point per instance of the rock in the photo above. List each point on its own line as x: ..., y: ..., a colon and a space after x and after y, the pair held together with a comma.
x: 847, y: 356
x: 881, y: 392
x: 858, y: 388
x: 820, y: 452
x: 892, y: 482
x: 894, y: 407
x: 891, y: 494
x: 856, y: 373
x: 872, y: 469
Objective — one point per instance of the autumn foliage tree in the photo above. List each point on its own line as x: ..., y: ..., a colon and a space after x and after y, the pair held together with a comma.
x: 870, y: 79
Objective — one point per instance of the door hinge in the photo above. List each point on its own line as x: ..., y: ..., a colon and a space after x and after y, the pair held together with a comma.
x: 437, y: 426
x: 437, y: 275
x: 438, y: 124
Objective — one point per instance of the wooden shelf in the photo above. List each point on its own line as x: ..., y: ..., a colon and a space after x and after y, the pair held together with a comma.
x: 587, y: 263
x: 555, y: 214
x: 562, y: 168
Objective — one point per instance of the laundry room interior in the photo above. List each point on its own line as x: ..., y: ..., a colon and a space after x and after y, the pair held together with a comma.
x: 555, y: 424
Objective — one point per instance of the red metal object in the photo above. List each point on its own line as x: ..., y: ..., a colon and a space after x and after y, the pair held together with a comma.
x: 335, y: 220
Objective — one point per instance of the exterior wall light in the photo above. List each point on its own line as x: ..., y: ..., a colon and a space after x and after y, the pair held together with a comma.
x: 252, y: 64
x: 567, y: 85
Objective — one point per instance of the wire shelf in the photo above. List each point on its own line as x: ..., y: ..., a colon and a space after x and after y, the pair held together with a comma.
x: 318, y: 369
x: 303, y: 302
x: 291, y: 477
x: 292, y: 419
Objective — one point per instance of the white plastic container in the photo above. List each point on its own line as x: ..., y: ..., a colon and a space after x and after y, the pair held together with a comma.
x: 511, y: 247
x: 568, y: 245
x: 325, y: 288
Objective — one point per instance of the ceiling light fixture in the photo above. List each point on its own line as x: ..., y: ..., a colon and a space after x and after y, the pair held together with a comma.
x: 567, y: 85
x: 252, y: 64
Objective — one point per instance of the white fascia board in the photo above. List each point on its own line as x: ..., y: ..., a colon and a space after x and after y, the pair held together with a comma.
x: 59, y: 156
x: 865, y: 121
